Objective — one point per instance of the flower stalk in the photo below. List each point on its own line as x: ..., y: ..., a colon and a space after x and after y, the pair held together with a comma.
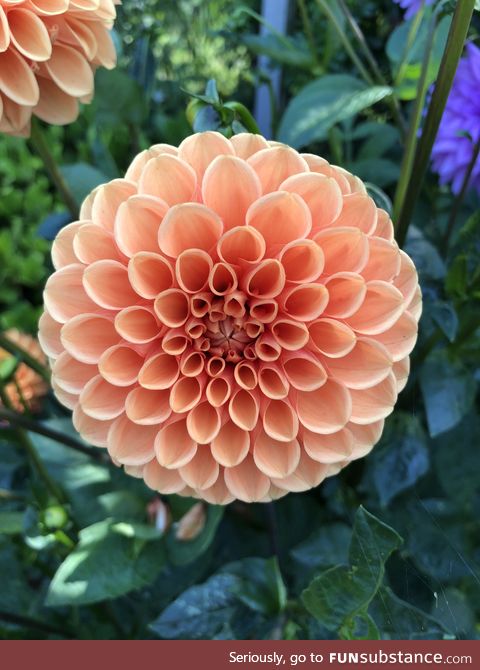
x: 448, y: 66
x: 40, y: 145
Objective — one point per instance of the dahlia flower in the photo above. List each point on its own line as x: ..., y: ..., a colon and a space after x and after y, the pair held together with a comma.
x: 411, y: 7
x: 231, y: 320
x: 27, y: 387
x: 49, y: 50
x: 459, y: 130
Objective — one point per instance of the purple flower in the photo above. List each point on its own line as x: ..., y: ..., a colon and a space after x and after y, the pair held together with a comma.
x: 412, y: 6
x: 460, y: 126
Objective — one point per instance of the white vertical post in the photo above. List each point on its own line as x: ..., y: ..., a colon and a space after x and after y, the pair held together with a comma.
x: 275, y: 13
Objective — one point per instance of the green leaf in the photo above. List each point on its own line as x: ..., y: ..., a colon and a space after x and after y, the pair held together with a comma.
x: 411, y: 67
x: 106, y: 564
x: 448, y: 389
x: 262, y: 588
x: 182, y: 552
x: 285, y: 50
x: 398, y: 620
x: 82, y: 179
x: 445, y: 316
x: 201, y: 612
x: 457, y: 460
x: 379, y: 171
x: 7, y: 368
x: 401, y: 458
x: 130, y: 102
x: 323, y: 103
x: 11, y: 523
x: 339, y: 595
x: 16, y: 595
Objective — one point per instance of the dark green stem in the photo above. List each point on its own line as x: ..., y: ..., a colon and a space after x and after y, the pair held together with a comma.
x: 7, y: 412
x: 460, y: 197
x: 246, y: 117
x: 40, y: 144
x: 412, y: 135
x: 448, y: 66
x: 325, y: 8
x: 375, y: 68
x: 307, y: 29
x: 32, y: 426
x: 12, y: 348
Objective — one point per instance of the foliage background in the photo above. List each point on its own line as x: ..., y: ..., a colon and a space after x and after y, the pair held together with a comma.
x: 85, y: 559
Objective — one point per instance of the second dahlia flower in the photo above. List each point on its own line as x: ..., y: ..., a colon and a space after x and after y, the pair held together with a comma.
x: 231, y: 320
x: 49, y: 50
x: 27, y: 387
x: 459, y: 130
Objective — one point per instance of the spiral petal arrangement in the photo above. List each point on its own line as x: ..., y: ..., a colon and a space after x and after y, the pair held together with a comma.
x: 232, y: 320
x: 49, y: 50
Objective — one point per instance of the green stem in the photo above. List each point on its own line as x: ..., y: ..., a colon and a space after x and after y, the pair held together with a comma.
x: 412, y: 136
x: 40, y: 144
x: 448, y: 66
x: 246, y: 117
x: 375, y: 68
x: 461, y: 195
x: 28, y: 359
x: 307, y: 29
x: 35, y: 624
x: 412, y: 34
x: 27, y: 445
x: 32, y: 426
x: 325, y: 8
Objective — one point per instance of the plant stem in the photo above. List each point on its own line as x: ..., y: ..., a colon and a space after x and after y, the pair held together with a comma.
x: 40, y: 144
x: 273, y: 529
x: 325, y: 8
x: 27, y: 445
x: 411, y: 142
x: 307, y: 29
x: 28, y: 622
x: 370, y: 58
x: 21, y: 421
x: 28, y: 359
x: 412, y: 34
x: 461, y: 195
x: 246, y: 117
x: 448, y: 66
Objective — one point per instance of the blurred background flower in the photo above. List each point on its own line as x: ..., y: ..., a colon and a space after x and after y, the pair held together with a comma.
x: 411, y: 7
x: 25, y: 388
x: 457, y: 142
x: 48, y: 55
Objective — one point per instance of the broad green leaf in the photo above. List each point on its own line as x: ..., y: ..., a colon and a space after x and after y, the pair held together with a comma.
x: 182, y: 552
x: 407, y: 68
x: 262, y: 588
x: 448, y: 389
x: 379, y: 171
x: 16, y: 595
x: 201, y: 612
x: 401, y: 458
x: 445, y: 316
x: 427, y: 260
x: 339, y: 595
x: 456, y: 458
x: 285, y: 50
x: 82, y: 179
x: 106, y: 564
x: 11, y: 523
x: 130, y: 104
x: 399, y: 620
x: 323, y: 103
x: 327, y: 546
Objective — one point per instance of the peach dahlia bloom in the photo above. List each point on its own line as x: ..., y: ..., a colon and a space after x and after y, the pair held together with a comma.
x: 49, y: 50
x: 231, y: 320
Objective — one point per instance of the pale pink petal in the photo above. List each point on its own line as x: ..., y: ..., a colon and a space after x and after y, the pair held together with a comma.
x: 189, y: 226
x: 280, y: 217
x: 230, y: 179
x: 274, y: 165
x: 246, y: 482
x: 331, y: 338
x: 201, y: 149
x: 168, y: 178
x: 302, y: 260
x: 329, y: 448
x: 325, y: 410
